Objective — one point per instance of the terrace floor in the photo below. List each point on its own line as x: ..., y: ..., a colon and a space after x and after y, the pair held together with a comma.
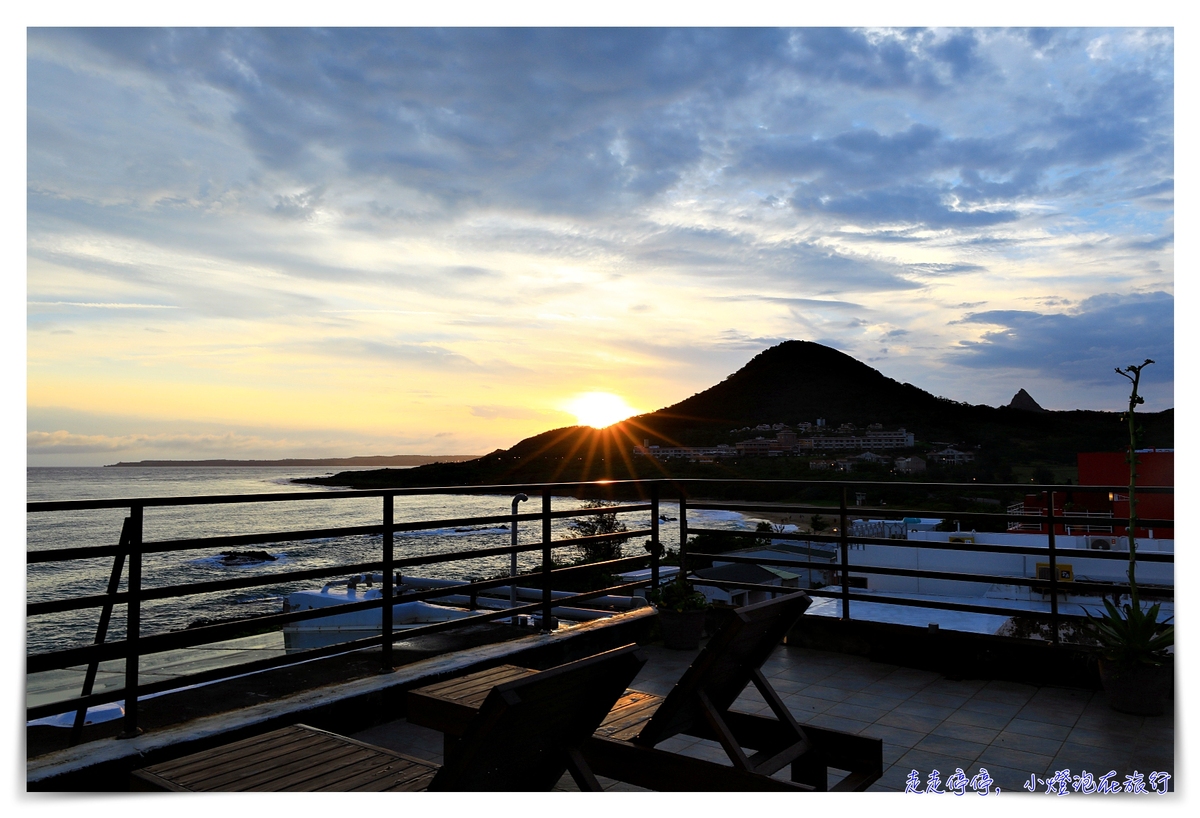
x: 925, y: 720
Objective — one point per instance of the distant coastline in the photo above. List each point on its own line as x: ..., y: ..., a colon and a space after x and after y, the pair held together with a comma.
x: 394, y: 461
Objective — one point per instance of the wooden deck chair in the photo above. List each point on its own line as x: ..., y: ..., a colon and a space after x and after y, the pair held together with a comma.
x: 699, y: 705
x: 527, y: 733
x: 531, y: 730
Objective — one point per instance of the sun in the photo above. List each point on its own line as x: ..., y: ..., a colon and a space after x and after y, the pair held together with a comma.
x: 599, y: 409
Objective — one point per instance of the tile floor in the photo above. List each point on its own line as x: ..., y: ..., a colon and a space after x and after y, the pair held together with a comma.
x: 926, y: 721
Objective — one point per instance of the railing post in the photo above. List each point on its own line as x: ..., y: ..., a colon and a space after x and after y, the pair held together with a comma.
x: 133, y: 624
x: 389, y: 503
x: 1053, y: 571
x: 682, y: 536
x: 114, y: 584
x: 845, y: 548
x: 546, y: 566
x: 655, y: 546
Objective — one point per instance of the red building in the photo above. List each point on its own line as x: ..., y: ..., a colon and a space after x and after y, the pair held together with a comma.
x: 1155, y: 467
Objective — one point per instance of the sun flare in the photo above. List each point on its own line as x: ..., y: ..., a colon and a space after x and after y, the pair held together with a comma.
x: 599, y: 409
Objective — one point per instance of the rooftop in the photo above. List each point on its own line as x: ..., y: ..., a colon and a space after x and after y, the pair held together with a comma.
x: 926, y: 721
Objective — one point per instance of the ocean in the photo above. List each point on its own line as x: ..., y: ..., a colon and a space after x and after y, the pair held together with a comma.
x: 103, y: 527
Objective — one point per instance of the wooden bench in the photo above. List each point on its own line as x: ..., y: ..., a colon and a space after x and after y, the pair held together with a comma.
x: 699, y: 705
x: 298, y: 758
x: 525, y: 733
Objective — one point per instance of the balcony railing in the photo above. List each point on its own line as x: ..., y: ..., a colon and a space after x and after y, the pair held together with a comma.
x: 128, y: 553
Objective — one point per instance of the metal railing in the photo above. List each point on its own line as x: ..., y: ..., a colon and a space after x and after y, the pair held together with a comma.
x: 131, y: 548
x: 1095, y: 522
x: 1003, y: 521
x: 128, y: 555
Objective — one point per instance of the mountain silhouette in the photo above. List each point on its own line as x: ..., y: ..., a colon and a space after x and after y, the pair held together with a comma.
x: 1023, y: 400
x: 796, y: 381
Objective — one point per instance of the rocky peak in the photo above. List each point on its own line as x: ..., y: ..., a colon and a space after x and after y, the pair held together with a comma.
x: 1023, y: 400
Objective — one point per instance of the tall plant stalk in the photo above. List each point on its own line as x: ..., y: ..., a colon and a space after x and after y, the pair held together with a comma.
x: 1134, y: 374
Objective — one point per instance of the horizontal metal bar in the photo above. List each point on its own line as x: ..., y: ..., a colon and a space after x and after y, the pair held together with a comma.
x: 193, y: 543
x: 1027, y: 550
x: 158, y: 643
x: 943, y: 606
x: 502, y: 489
x: 741, y: 560
x: 988, y: 578
x: 173, y: 591
x: 165, y: 546
x: 892, y: 511
x: 54, y: 708
x: 747, y: 586
x: 1029, y: 488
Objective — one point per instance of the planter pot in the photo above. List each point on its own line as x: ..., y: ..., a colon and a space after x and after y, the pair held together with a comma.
x: 681, y: 630
x: 1140, y: 690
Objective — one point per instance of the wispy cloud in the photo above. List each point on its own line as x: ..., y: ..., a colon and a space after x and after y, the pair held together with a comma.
x: 102, y: 306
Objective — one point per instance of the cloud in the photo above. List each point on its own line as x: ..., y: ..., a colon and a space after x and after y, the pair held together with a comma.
x: 813, y: 303
x: 513, y: 413
x: 1083, y: 345
x: 63, y: 442
x: 942, y: 269
x: 102, y: 306
x: 423, y: 356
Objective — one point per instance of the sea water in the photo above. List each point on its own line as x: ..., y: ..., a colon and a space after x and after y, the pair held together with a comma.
x: 103, y: 527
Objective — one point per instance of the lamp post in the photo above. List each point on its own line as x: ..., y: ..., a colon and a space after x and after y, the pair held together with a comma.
x: 512, y: 565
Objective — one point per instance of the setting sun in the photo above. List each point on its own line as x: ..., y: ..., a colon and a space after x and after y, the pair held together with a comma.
x: 599, y: 409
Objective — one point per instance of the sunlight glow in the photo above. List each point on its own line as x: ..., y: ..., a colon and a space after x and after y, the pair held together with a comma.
x: 599, y: 409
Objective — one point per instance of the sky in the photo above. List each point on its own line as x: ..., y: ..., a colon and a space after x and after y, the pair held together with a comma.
x: 258, y: 243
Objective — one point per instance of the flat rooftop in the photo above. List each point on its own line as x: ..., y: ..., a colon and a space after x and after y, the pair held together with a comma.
x: 925, y: 720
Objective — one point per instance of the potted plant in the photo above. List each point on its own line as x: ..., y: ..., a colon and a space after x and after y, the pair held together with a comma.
x: 1133, y: 663
x: 681, y: 610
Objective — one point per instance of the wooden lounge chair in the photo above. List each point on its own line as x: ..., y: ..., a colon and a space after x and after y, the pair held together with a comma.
x: 526, y: 734
x: 699, y: 705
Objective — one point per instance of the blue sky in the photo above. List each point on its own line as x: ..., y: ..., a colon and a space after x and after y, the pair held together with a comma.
x: 279, y: 243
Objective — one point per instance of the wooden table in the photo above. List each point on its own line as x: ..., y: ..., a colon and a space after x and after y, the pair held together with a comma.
x: 294, y: 759
x: 448, y: 706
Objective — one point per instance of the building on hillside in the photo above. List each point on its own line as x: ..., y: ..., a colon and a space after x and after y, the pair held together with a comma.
x: 877, y: 438
x: 951, y: 457
x: 695, y: 454
x: 909, y: 465
x: 758, y: 447
x: 873, y: 440
x: 872, y: 458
